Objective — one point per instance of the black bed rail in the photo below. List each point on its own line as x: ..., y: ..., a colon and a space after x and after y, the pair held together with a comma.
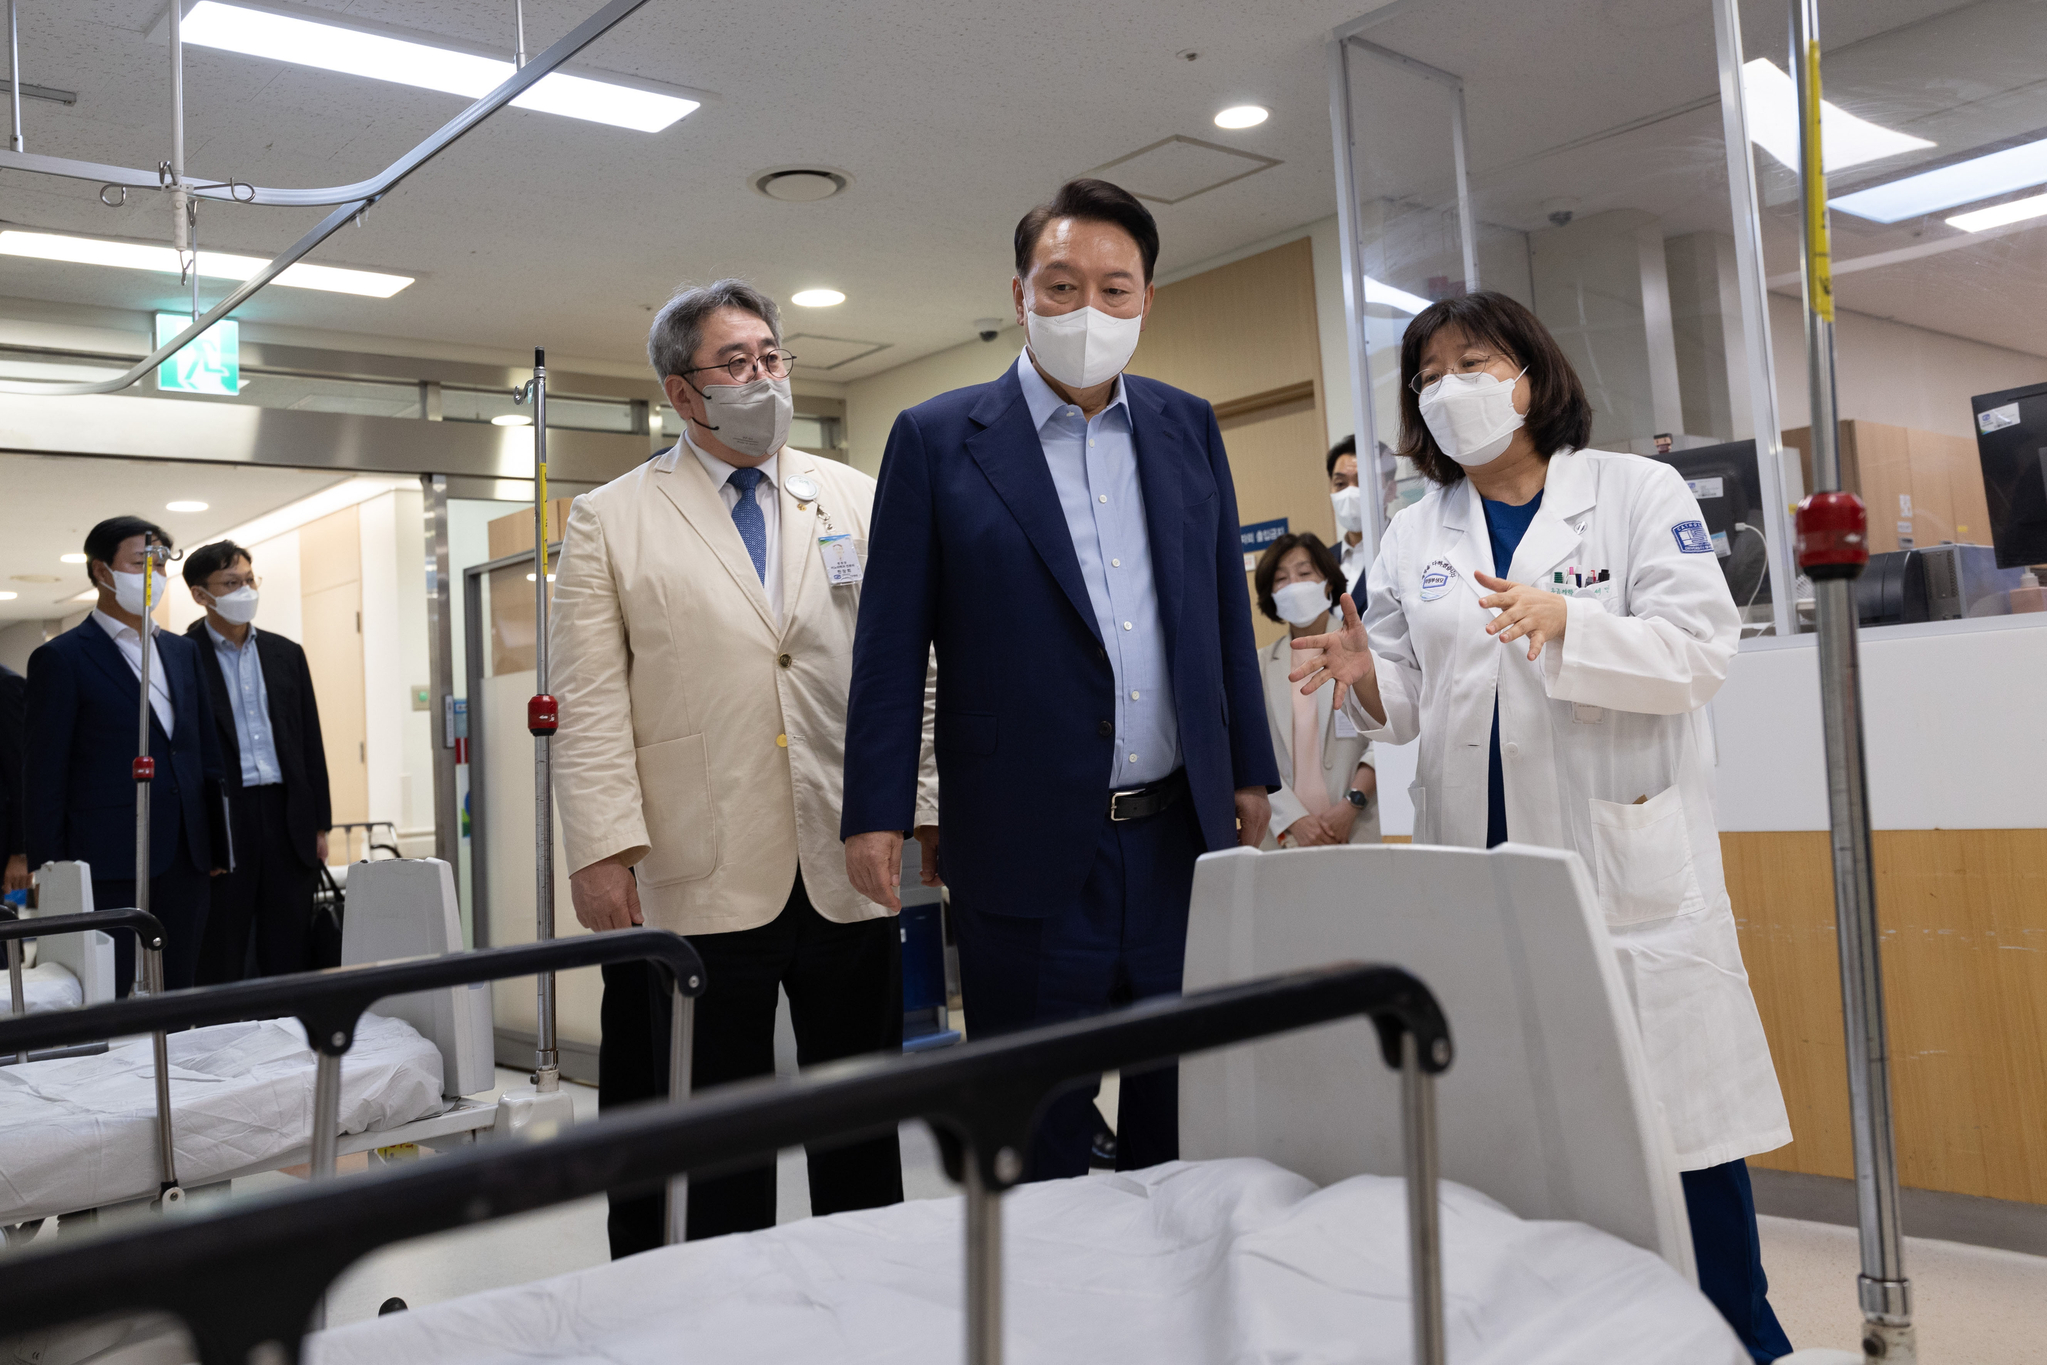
x: 246, y: 1278
x: 148, y: 930
x: 330, y: 1002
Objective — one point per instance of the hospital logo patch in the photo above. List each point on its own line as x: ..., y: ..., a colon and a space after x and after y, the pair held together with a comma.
x: 1437, y: 578
x: 1692, y: 538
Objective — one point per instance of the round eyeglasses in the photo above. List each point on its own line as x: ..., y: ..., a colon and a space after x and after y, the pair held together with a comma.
x: 774, y: 364
x: 1472, y: 362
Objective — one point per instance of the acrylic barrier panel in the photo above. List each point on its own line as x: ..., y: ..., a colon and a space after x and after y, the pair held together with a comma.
x: 1936, y: 160
x: 1598, y: 193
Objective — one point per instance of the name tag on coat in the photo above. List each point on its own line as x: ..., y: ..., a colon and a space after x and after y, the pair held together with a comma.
x: 841, y: 560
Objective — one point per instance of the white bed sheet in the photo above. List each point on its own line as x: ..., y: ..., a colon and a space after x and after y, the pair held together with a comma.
x: 80, y: 1132
x: 1222, y: 1261
x: 45, y: 986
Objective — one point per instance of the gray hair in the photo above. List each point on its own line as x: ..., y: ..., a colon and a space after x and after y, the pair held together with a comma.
x: 679, y: 327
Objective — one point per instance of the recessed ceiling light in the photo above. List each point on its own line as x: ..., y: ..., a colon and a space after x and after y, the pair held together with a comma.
x: 72, y: 559
x: 8, y: 596
x: 801, y: 184
x: 816, y: 298
x: 218, y: 265
x: 1845, y: 140
x: 511, y: 419
x: 1980, y: 177
x: 1242, y: 116
x: 184, y: 506
x: 1997, y: 215
x: 386, y: 57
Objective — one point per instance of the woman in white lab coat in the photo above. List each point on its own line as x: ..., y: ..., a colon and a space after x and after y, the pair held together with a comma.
x: 1549, y: 620
x: 1329, y: 798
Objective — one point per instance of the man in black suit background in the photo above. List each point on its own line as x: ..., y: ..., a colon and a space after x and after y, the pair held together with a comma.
x: 276, y: 774
x: 13, y: 700
x: 79, y: 750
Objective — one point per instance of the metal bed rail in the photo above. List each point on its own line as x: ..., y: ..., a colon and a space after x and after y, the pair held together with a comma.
x: 330, y: 1003
x: 148, y: 933
x: 246, y: 1279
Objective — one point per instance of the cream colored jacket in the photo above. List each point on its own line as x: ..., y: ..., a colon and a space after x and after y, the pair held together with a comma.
x: 1341, y: 753
x: 697, y: 738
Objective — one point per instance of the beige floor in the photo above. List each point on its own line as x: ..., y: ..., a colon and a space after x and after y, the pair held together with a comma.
x: 1971, y: 1304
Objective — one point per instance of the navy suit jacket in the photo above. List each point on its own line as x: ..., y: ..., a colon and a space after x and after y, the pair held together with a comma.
x: 80, y: 747
x: 970, y: 550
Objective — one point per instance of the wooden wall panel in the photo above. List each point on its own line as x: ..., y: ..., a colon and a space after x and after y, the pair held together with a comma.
x: 1939, y: 477
x: 330, y: 596
x: 1273, y: 480
x: 1965, y: 979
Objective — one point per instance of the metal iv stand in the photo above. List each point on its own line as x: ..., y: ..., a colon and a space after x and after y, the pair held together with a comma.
x: 1833, y: 548
x: 154, y: 559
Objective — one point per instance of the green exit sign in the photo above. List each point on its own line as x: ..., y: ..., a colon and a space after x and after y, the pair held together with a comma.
x: 212, y: 364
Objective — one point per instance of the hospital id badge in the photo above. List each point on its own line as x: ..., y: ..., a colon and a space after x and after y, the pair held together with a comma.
x: 1344, y: 726
x: 841, y: 561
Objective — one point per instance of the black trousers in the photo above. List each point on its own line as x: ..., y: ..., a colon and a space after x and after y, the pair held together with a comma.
x: 178, y: 897
x: 263, y: 909
x: 845, y: 988
x: 1122, y: 939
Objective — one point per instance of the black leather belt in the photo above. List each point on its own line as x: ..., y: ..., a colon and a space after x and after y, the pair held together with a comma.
x: 1140, y: 802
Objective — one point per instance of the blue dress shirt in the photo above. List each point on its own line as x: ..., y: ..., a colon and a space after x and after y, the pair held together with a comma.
x: 250, y: 700
x: 1094, y: 467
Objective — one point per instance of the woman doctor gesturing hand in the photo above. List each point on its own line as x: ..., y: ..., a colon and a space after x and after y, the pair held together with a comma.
x: 1344, y: 656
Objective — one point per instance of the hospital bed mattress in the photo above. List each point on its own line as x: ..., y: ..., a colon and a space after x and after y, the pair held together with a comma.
x: 45, y: 986
x: 1222, y: 1261
x: 80, y: 1132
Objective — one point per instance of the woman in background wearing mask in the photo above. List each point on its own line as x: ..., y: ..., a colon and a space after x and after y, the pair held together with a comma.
x: 1550, y: 620
x: 1328, y: 798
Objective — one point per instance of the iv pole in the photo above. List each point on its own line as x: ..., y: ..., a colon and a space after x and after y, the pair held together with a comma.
x: 155, y: 557
x: 1833, y: 548
x: 541, y: 721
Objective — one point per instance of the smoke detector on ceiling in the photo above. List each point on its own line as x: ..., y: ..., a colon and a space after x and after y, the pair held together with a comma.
x: 800, y: 184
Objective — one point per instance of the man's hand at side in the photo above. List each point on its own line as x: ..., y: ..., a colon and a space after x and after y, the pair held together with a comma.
x: 927, y: 869
x: 1254, y: 815
x: 606, y: 896
x: 17, y: 873
x: 874, y: 864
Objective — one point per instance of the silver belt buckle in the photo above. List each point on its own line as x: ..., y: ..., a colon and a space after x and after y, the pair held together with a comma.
x: 1114, y: 797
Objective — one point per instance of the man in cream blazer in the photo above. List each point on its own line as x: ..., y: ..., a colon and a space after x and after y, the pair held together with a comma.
x: 702, y: 639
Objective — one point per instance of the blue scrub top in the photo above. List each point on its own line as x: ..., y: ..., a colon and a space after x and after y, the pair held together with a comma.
x: 1505, y: 525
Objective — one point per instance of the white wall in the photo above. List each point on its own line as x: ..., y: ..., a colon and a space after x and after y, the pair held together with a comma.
x: 394, y: 645
x: 872, y: 403
x: 1894, y: 373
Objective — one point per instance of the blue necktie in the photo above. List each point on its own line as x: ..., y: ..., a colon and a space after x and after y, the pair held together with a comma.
x: 746, y: 515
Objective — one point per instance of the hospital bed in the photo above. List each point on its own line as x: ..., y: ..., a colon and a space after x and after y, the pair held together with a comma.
x: 87, y: 1132
x: 70, y: 969
x: 1544, y: 1255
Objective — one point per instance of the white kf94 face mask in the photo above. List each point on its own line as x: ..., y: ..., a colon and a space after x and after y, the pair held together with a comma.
x: 1350, y: 508
x: 1085, y: 347
x: 1472, y: 416
x: 238, y: 606
x: 128, y: 591
x: 1299, y: 603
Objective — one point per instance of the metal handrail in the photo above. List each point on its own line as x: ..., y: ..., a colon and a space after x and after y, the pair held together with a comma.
x: 352, y: 199
x: 248, y: 1275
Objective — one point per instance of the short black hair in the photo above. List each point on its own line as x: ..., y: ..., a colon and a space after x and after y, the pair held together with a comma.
x: 103, y: 541
x: 1347, y: 446
x: 208, y: 560
x: 1091, y: 201
x: 1325, y: 561
x: 1559, y: 415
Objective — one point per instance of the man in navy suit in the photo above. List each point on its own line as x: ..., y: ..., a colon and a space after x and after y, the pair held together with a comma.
x: 1067, y: 538
x: 84, y: 693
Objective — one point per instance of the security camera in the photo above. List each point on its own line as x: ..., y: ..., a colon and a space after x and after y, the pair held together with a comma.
x: 987, y: 327
x: 1560, y: 211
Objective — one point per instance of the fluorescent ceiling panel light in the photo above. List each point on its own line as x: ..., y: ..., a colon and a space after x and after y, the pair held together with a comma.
x: 511, y: 419
x: 1242, y: 116
x: 1998, y: 215
x: 218, y: 265
x: 72, y: 559
x: 184, y: 506
x: 8, y: 596
x: 817, y: 298
x: 1981, y: 177
x: 1845, y: 140
x: 384, y: 57
x: 1378, y: 292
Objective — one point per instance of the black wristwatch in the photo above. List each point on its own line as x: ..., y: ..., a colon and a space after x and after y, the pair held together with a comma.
x: 1357, y: 798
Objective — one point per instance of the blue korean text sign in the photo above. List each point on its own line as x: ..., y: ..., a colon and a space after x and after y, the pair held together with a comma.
x: 212, y: 364
x: 1255, y: 537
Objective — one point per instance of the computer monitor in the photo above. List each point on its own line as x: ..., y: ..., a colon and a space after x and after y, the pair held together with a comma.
x: 2011, y: 441
x: 1728, y: 485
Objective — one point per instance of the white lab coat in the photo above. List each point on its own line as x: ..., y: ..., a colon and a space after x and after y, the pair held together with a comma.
x: 1606, y: 717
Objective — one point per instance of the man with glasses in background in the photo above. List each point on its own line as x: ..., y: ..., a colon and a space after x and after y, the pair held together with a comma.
x: 702, y: 638
x: 275, y: 766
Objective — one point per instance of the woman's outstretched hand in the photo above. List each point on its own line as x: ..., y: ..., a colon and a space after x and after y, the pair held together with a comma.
x: 1343, y: 656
